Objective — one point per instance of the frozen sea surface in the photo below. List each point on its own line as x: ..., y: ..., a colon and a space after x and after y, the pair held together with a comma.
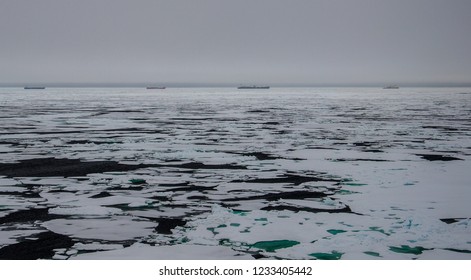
x: 285, y: 173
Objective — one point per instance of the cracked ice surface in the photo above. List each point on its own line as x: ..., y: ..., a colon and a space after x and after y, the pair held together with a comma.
x: 295, y: 173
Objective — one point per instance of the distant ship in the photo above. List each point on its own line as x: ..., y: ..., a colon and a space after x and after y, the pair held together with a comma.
x: 34, y: 87
x: 155, y: 87
x: 391, y: 87
x: 253, y: 87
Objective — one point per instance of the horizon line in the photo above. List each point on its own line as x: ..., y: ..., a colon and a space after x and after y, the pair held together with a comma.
x: 214, y: 85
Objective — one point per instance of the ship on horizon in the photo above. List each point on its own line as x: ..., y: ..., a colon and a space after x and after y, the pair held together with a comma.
x: 253, y: 87
x: 391, y: 87
x: 155, y: 87
x: 34, y: 87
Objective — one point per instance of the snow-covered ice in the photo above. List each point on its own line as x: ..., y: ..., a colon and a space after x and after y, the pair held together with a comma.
x: 290, y: 173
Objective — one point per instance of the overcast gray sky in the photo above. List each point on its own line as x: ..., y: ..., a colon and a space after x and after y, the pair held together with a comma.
x: 305, y: 42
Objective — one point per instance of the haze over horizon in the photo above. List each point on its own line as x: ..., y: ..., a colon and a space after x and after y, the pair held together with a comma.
x: 218, y: 42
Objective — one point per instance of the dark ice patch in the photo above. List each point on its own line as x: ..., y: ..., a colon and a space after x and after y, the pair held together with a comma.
x: 96, y: 142
x: 50, y: 167
x: 200, y: 165
x: 197, y: 197
x: 192, y: 119
x: 126, y: 207
x: 41, y: 248
x: 160, y: 198
x: 405, y: 249
x: 190, y: 188
x: 296, y: 209
x: 334, y: 255
x: 273, y: 245
x: 289, y: 179
x: 283, y: 195
x: 281, y: 132
x: 29, y: 215
x: 463, y: 251
x: 371, y: 253
x: 61, y: 191
x: 365, y: 144
x: 258, y: 111
x: 319, y: 148
x: 138, y: 181
x: 436, y: 157
x: 125, y: 111
x: 360, y: 159
x: 167, y: 224
x: 257, y: 155
x: 14, y: 144
x: 101, y: 195
x: 373, y: 151
x: 446, y: 128
x: 452, y: 220
x: 258, y: 256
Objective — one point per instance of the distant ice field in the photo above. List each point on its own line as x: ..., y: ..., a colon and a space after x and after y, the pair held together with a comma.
x: 222, y: 173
